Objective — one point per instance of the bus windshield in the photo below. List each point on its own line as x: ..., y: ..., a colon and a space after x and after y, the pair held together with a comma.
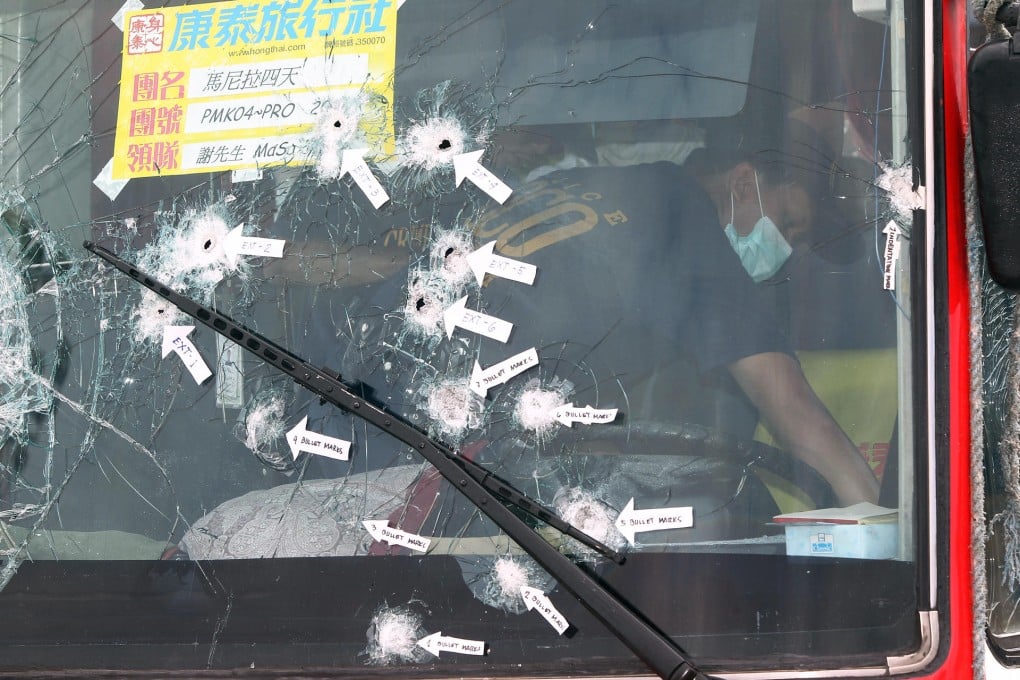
x: 653, y: 264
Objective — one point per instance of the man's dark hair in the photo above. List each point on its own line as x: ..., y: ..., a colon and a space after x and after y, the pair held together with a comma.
x: 799, y: 155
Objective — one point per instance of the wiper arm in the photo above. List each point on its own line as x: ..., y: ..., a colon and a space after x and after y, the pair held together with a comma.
x: 508, y: 494
x: 485, y: 490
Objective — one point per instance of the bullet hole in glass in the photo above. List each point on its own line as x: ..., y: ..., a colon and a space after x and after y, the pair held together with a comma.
x: 444, y: 145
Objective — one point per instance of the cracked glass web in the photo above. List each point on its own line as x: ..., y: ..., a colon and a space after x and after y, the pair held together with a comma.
x: 110, y: 449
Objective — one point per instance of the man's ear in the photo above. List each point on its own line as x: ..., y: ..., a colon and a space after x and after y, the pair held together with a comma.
x: 741, y: 183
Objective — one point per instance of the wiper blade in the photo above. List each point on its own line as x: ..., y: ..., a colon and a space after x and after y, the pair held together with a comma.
x: 508, y: 494
x: 487, y: 491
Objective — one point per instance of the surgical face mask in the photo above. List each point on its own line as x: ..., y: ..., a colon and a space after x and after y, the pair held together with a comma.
x: 764, y: 250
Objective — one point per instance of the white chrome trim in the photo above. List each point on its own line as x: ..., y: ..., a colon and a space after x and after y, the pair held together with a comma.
x: 896, y: 665
x: 924, y: 655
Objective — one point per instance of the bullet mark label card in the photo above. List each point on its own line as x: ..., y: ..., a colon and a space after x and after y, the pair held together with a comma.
x: 300, y: 439
x: 237, y: 244
x: 632, y: 522
x: 458, y: 315
x: 468, y: 165
x: 381, y: 531
x: 484, y: 261
x: 536, y: 600
x: 354, y: 164
x: 568, y: 414
x: 482, y: 380
x: 175, y: 339
x: 437, y: 642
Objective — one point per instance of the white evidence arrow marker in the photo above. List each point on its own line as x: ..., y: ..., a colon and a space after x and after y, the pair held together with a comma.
x: 892, y: 254
x: 299, y: 439
x: 175, y: 339
x: 437, y: 642
x: 497, y: 374
x: 380, y: 530
x: 354, y: 163
x: 536, y: 599
x: 632, y: 521
x: 568, y: 414
x: 237, y: 243
x: 458, y: 314
x: 467, y: 165
x: 483, y: 261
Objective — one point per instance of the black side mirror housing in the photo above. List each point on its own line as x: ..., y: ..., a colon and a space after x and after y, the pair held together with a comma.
x: 994, y: 93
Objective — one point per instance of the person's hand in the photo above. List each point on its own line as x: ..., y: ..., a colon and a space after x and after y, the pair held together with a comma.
x: 802, y: 424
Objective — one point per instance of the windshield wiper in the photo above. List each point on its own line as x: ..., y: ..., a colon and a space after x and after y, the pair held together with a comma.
x: 487, y: 491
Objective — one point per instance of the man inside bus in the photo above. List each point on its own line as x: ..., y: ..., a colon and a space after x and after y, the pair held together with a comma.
x: 653, y: 268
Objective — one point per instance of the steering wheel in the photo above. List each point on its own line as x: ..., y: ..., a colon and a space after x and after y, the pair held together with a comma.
x: 689, y: 439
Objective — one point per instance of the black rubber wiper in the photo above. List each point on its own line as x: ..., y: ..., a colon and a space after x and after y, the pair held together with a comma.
x: 487, y: 491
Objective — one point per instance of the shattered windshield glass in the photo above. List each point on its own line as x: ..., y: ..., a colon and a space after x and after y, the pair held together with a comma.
x: 649, y: 263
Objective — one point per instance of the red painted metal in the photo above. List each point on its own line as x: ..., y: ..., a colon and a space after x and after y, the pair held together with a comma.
x: 953, y: 108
